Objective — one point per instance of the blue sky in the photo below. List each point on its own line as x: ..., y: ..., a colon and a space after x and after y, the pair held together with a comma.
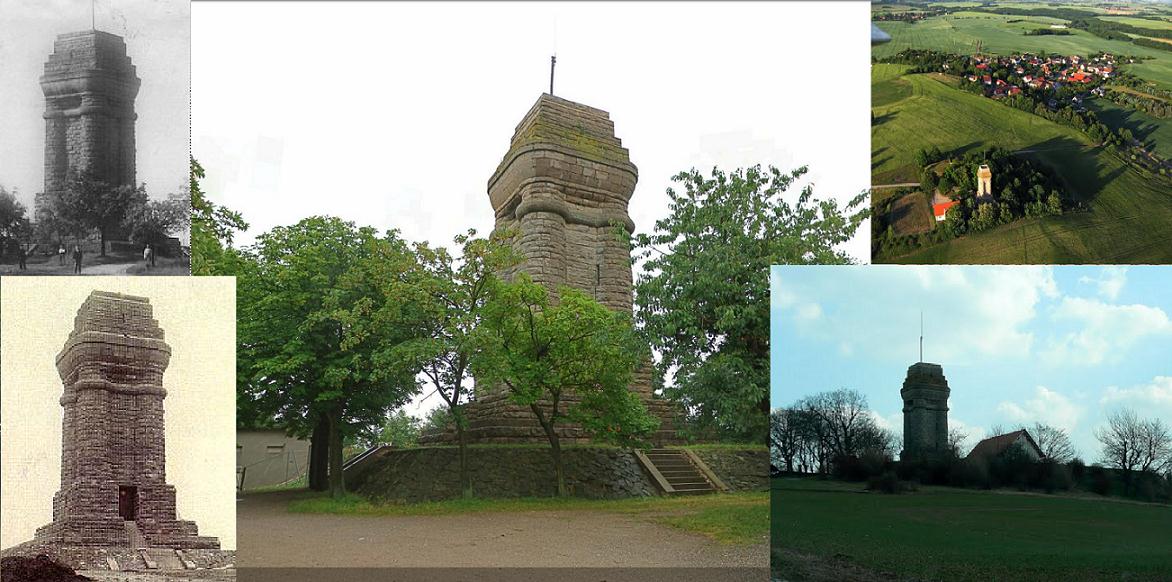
x: 1060, y: 345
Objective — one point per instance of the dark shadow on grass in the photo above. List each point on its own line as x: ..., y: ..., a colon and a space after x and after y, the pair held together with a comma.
x: 880, y: 120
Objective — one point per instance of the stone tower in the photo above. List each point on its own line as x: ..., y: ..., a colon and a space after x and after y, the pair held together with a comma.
x: 89, y: 86
x: 563, y: 187
x: 925, y: 411
x: 114, y: 491
x: 984, y: 181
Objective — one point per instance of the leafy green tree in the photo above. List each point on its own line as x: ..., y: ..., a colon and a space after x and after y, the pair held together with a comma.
x: 541, y: 352
x: 455, y: 290
x: 91, y: 203
x: 152, y: 222
x: 399, y: 430
x: 13, y: 222
x: 212, y: 230
x: 703, y: 298
x: 318, y: 308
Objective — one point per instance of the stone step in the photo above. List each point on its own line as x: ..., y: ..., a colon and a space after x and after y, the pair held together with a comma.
x: 163, y: 558
x: 677, y: 468
x: 133, y: 535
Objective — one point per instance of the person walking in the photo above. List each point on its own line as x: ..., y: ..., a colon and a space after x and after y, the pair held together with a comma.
x: 61, y: 254
x: 21, y: 255
x: 76, y: 259
x: 148, y: 256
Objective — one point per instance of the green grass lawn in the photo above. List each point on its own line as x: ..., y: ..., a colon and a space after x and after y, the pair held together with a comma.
x: 959, y: 32
x: 1130, y: 211
x: 731, y: 518
x: 1153, y: 131
x: 953, y: 534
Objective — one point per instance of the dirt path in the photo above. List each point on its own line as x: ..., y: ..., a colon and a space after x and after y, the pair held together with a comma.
x: 270, y: 537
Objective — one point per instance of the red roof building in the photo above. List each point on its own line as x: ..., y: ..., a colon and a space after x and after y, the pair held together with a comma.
x: 941, y: 210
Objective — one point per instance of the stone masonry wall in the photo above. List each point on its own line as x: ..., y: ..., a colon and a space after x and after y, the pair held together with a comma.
x: 432, y: 473
x: 740, y: 469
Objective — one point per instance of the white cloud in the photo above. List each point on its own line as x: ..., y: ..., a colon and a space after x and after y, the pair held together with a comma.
x: 1107, y: 330
x: 808, y: 312
x: 1156, y: 393
x: 1110, y: 282
x: 1047, y: 406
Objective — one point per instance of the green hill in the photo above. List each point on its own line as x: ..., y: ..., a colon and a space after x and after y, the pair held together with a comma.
x: 1130, y: 211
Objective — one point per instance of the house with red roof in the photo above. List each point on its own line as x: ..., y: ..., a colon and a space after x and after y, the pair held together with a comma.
x: 941, y: 209
x: 996, y: 446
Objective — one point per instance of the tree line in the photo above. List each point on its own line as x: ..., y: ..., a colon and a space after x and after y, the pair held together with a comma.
x: 835, y: 435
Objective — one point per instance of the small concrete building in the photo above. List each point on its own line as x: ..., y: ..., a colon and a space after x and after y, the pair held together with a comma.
x: 998, y: 445
x: 267, y: 457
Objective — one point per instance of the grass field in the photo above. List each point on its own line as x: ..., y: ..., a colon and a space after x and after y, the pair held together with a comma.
x: 732, y: 518
x: 954, y: 534
x: 911, y: 214
x: 1149, y: 23
x: 959, y: 32
x: 1130, y: 211
x: 1153, y: 131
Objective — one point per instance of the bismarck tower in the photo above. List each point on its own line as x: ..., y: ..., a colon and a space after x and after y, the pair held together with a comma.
x: 115, y: 509
x: 89, y: 86
x: 563, y: 188
x: 925, y: 411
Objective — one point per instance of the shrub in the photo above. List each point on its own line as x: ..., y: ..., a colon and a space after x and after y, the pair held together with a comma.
x: 888, y: 482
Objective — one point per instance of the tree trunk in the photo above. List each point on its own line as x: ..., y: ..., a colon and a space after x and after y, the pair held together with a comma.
x: 465, y: 478
x: 337, y: 483
x: 319, y: 455
x: 555, y: 449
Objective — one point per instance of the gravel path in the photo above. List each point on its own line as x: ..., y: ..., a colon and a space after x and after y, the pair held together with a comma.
x: 271, y: 537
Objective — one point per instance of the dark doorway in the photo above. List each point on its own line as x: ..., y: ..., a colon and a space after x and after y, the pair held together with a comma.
x: 127, y: 502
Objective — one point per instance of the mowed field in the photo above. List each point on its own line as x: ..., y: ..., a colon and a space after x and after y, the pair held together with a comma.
x: 959, y: 32
x: 1130, y: 212
x: 1154, y: 131
x: 956, y: 534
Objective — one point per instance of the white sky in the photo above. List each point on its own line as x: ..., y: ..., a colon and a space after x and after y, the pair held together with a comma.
x: 396, y: 114
x: 158, y: 39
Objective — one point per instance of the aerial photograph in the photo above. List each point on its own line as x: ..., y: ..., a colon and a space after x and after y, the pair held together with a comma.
x: 976, y: 422
x: 1021, y: 132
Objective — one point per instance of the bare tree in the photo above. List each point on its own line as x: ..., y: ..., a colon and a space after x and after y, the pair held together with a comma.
x: 845, y: 417
x: 1121, y: 440
x: 784, y: 437
x: 1155, y: 446
x: 958, y: 441
x: 1053, y: 441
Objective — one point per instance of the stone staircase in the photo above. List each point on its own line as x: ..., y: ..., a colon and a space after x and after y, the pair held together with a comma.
x: 153, y: 558
x: 135, y: 536
x: 678, y: 472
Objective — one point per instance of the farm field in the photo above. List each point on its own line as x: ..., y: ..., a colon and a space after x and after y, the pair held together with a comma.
x: 1152, y: 23
x: 1130, y: 212
x: 955, y: 534
x: 1153, y: 131
x: 959, y: 32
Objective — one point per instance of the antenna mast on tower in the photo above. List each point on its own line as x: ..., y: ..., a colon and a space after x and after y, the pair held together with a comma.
x: 553, y: 59
x: 921, y: 335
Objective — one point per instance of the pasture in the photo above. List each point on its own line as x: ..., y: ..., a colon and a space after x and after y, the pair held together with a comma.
x: 955, y: 534
x: 1153, y: 131
x: 1129, y: 213
x: 959, y: 32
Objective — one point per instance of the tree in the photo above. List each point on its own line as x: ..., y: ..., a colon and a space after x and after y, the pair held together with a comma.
x: 91, y: 203
x: 152, y: 222
x: 212, y: 230
x: 399, y: 430
x: 702, y: 299
x: 784, y: 437
x: 13, y: 222
x: 1131, y: 444
x: 456, y: 291
x: 321, y: 307
x: 958, y: 442
x: 541, y: 353
x: 1053, y: 441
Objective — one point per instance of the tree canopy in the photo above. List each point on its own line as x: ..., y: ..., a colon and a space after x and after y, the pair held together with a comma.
x: 703, y: 298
